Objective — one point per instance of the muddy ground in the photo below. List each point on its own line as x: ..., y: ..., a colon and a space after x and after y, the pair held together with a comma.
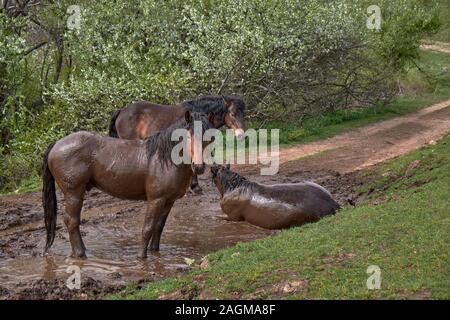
x: 112, y: 227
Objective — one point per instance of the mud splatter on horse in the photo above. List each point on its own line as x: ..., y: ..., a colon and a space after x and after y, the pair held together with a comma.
x: 141, y: 119
x: 273, y: 206
x: 127, y: 169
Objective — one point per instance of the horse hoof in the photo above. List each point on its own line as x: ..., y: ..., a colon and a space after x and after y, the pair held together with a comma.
x: 78, y: 255
x: 154, y: 250
x: 196, y: 191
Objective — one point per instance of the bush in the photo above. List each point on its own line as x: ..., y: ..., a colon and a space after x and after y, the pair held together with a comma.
x: 284, y: 57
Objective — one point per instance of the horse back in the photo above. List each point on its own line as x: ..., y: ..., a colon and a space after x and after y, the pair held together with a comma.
x: 80, y: 143
x: 85, y: 160
x: 141, y: 119
x: 307, y: 195
x: 70, y: 158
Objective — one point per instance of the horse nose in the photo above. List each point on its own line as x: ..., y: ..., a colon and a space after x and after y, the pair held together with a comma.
x: 199, y: 168
x: 239, y: 133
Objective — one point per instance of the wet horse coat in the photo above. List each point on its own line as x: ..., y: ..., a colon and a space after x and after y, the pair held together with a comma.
x: 127, y: 169
x: 274, y: 206
x: 141, y: 119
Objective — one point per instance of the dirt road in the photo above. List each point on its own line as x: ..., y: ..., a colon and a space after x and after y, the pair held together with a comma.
x: 112, y: 227
x: 436, y: 46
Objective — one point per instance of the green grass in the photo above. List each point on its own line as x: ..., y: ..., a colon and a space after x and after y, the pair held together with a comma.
x: 31, y: 184
x: 444, y: 13
x: 403, y: 228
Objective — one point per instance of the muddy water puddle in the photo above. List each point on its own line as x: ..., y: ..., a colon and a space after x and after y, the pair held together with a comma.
x: 111, y: 231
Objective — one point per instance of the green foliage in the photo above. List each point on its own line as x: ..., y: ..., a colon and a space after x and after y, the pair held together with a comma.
x: 302, y: 58
x: 404, y: 24
x: 444, y: 14
x: 166, y: 52
x: 10, y: 48
x: 419, y: 88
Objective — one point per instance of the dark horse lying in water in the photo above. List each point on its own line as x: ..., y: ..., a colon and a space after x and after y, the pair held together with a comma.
x: 141, y: 119
x: 135, y: 170
x: 271, y: 207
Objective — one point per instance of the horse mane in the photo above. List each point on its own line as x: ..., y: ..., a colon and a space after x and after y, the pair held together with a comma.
x: 161, y: 144
x: 214, y: 104
x: 232, y: 180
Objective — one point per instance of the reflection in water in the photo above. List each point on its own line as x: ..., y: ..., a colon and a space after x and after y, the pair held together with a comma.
x: 50, y: 268
x: 193, y: 229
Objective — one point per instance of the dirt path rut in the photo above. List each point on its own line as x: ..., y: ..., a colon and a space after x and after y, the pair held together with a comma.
x: 369, y: 145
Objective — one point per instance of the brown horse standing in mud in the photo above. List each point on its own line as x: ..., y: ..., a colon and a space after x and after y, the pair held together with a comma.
x: 127, y: 169
x: 141, y: 119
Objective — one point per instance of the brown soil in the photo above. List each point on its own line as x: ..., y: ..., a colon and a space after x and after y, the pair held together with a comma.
x: 436, y: 46
x: 196, y: 226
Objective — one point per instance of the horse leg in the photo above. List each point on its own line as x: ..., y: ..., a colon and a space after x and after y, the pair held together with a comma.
x: 195, y: 187
x: 74, y: 203
x: 158, y: 223
x: 153, y: 208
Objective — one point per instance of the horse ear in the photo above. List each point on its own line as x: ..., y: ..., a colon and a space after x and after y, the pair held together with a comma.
x: 211, y: 117
x: 188, y: 116
x: 214, y: 169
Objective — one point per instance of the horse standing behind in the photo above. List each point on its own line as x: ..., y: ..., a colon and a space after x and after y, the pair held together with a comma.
x: 141, y: 119
x: 127, y: 169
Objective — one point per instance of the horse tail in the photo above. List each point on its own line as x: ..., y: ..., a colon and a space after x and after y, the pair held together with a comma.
x: 112, y: 125
x: 49, y: 200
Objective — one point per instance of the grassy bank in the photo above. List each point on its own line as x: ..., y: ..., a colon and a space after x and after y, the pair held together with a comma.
x: 402, y: 227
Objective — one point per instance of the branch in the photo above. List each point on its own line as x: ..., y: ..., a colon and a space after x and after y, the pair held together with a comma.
x: 27, y: 52
x: 224, y: 81
x: 60, y: 59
